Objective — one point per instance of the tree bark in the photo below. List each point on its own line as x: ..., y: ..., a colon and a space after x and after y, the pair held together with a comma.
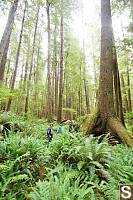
x: 87, y: 109
x: 61, y: 77
x: 125, y: 95
x: 4, y: 57
x: 17, y: 58
x: 49, y: 103
x: 128, y: 91
x: 31, y: 64
x: 87, y: 97
x: 117, y: 87
x: 104, y: 119
x: 4, y: 44
x: 7, y: 73
x: 36, y: 81
x: 26, y: 68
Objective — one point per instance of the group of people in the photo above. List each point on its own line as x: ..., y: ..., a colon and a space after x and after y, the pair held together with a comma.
x: 72, y: 128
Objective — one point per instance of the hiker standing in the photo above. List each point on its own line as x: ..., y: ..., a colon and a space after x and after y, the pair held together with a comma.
x: 50, y: 132
x: 60, y: 129
x: 72, y: 127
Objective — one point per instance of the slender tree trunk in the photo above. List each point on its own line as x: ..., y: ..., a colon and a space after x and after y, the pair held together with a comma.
x: 56, y: 82
x: 61, y: 77
x: 4, y: 44
x: 128, y: 91
x: 48, y: 108
x: 53, y: 90
x: 87, y: 97
x: 22, y: 74
x: 56, y: 90
x: 7, y: 74
x: 79, y: 92
x: 85, y: 81
x: 36, y: 81
x: 26, y: 68
x: 125, y: 95
x: 31, y: 64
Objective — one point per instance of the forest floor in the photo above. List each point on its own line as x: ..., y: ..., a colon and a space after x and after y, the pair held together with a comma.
x: 74, y: 167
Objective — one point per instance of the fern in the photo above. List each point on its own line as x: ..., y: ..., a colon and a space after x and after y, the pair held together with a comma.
x: 19, y: 177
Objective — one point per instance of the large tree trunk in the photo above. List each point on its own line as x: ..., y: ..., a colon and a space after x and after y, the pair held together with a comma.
x: 61, y: 77
x: 6, y: 37
x: 104, y: 119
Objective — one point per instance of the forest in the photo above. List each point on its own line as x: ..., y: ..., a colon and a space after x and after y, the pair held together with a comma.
x: 64, y: 61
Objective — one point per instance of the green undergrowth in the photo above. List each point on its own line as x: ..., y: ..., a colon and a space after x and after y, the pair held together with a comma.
x: 73, y: 167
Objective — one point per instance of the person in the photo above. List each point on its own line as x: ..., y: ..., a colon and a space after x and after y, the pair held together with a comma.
x: 50, y: 133
x: 72, y: 127
x: 60, y: 129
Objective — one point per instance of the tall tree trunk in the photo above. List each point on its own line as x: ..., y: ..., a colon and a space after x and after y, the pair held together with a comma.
x: 17, y: 57
x: 53, y: 91
x: 22, y: 74
x: 87, y: 96
x: 87, y: 109
x: 36, y: 81
x: 4, y: 44
x: 31, y: 64
x: 8, y: 68
x: 61, y: 77
x: 4, y: 57
x: 56, y: 86
x: 26, y: 68
x: 104, y: 119
x: 125, y: 95
x: 79, y: 92
x: 128, y: 91
x: 48, y: 108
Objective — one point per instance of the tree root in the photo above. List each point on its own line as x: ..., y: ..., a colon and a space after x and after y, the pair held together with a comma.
x: 118, y: 129
x: 96, y: 126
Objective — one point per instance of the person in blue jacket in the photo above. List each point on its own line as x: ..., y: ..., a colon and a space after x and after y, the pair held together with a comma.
x: 50, y: 132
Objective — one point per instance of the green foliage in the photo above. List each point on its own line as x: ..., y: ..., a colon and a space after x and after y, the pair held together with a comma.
x: 5, y: 93
x: 73, y: 167
x: 61, y: 183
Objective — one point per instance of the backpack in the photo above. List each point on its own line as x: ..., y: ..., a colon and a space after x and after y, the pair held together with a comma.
x: 60, y: 129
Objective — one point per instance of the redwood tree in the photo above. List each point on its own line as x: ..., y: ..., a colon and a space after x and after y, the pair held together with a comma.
x: 104, y: 119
